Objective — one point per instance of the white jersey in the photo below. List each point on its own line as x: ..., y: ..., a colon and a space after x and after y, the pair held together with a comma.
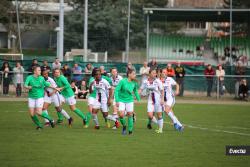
x: 102, y: 88
x: 52, y: 84
x: 167, y: 84
x: 154, y: 88
x: 116, y: 80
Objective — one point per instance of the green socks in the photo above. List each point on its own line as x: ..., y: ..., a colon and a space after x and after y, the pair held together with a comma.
x: 60, y: 116
x: 123, y: 122
x: 89, y: 115
x: 79, y: 113
x: 149, y: 121
x: 36, y: 121
x: 46, y: 116
x: 130, y: 124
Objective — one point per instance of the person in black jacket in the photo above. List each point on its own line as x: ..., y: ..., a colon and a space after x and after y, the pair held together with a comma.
x: 180, y: 74
x: 6, y: 71
x: 243, y: 90
x: 33, y: 65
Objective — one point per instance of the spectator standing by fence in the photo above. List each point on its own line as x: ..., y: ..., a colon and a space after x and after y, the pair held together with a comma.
x: 130, y: 67
x: 209, y: 74
x: 180, y: 74
x: 153, y: 64
x: 239, y: 70
x: 220, y: 74
x: 56, y: 64
x: 18, y: 78
x: 144, y: 71
x: 66, y: 72
x: 88, y: 70
x: 77, y: 74
x: 6, y: 69
x: 243, y: 90
x: 169, y: 71
x: 32, y: 67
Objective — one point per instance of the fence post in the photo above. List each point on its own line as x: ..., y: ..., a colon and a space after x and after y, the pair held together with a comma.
x: 2, y: 81
x: 218, y: 88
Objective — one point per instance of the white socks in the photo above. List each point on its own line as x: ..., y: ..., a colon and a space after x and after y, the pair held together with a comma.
x: 95, y: 119
x: 173, y: 118
x: 154, y: 120
x: 65, y: 114
x: 160, y: 123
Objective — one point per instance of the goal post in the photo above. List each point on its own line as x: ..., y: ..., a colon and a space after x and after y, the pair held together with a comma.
x: 11, y: 56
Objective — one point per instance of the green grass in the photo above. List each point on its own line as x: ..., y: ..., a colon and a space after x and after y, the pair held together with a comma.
x: 22, y: 145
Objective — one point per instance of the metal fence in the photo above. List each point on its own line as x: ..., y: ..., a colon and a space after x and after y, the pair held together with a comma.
x: 193, y: 85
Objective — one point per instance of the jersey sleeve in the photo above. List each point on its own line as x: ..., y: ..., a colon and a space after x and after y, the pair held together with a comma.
x: 65, y: 82
x: 172, y: 81
x: 143, y: 85
x: 45, y: 83
x: 107, y: 84
x: 138, y: 98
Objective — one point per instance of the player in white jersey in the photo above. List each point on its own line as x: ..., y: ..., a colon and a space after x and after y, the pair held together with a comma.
x: 155, y: 91
x: 103, y: 95
x: 52, y: 96
x: 169, y: 98
x: 115, y: 78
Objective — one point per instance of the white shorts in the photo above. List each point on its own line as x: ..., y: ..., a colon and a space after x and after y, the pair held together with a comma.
x: 57, y: 99
x: 154, y: 107
x: 70, y: 100
x: 128, y: 107
x: 35, y: 103
x: 170, y: 101
x: 91, y: 101
x: 102, y: 106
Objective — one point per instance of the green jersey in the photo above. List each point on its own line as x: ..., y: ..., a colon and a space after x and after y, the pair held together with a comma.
x: 38, y: 84
x: 124, y: 91
x: 93, y: 94
x: 62, y: 82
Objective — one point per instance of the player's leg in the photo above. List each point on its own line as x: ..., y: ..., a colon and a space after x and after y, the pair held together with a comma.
x: 159, y: 121
x: 95, y: 118
x: 151, y: 117
x: 121, y: 110
x: 31, y: 104
x: 114, y: 117
x: 104, y: 109
x: 45, y: 109
x: 130, y: 109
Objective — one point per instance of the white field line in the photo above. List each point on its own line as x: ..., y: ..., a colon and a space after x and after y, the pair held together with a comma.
x: 208, y: 129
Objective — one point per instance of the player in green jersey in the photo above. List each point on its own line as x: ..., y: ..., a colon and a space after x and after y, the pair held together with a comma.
x: 35, y: 84
x: 68, y: 94
x: 124, y: 96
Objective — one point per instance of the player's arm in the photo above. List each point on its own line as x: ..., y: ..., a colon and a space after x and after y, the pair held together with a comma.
x: 65, y: 84
x: 27, y: 84
x: 161, y: 88
x: 138, y: 98
x: 110, y: 93
x: 177, y: 89
x: 91, y: 86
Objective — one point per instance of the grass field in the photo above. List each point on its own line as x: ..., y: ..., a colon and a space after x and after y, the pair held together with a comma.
x: 209, y: 128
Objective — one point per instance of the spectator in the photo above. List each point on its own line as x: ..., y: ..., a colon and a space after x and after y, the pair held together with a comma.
x: 56, y: 64
x: 33, y: 64
x: 6, y: 69
x: 239, y: 70
x: 209, y: 74
x: 102, y: 69
x: 66, y: 72
x: 130, y: 67
x: 153, y: 64
x: 45, y: 66
x: 77, y: 74
x: 18, y: 78
x: 144, y: 71
x: 220, y: 73
x: 169, y: 71
x: 74, y: 87
x: 89, y: 68
x: 82, y: 90
x: 243, y: 90
x: 180, y: 74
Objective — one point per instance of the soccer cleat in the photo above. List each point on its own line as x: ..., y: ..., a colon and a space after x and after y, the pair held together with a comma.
x: 70, y: 121
x: 176, y: 126
x: 180, y: 128
x: 124, y: 132
x: 52, y: 124
x: 97, y: 127
x: 117, y: 124
x: 130, y: 132
x: 47, y: 124
x: 84, y: 122
x: 158, y: 131
x: 114, y: 127
x: 108, y: 124
x: 149, y: 126
x: 59, y: 122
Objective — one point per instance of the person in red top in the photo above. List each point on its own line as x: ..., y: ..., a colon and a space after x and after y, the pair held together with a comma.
x: 209, y: 74
x: 169, y: 71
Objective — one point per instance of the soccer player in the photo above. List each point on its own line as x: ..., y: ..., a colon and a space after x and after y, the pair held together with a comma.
x: 155, y: 91
x: 125, y: 99
x: 35, y: 84
x: 169, y: 99
x: 115, y: 78
x: 52, y: 96
x: 66, y: 91
x: 103, y: 100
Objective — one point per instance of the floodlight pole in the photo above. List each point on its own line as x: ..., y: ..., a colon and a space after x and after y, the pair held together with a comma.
x: 61, y: 30
x: 230, y: 33
x: 86, y: 31
x: 18, y: 28
x: 128, y: 30
x: 147, y: 37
